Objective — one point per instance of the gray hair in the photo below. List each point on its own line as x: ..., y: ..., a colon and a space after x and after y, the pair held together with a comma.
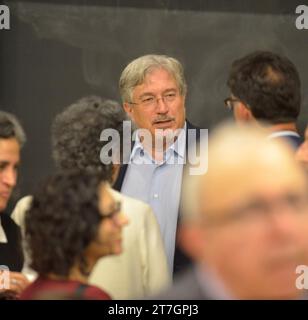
x: 76, y: 134
x: 135, y: 72
x: 11, y: 128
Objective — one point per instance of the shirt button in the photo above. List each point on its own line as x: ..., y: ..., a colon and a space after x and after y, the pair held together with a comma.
x: 155, y: 195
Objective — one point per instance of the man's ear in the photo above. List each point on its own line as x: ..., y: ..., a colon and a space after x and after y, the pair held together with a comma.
x: 128, y: 109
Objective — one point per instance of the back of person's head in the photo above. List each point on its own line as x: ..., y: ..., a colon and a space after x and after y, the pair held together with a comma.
x: 251, y: 224
x: 62, y: 221
x: 11, y: 128
x: 269, y: 85
x: 77, y: 130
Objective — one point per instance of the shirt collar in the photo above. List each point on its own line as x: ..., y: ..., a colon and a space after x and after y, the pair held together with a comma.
x: 177, y: 147
x: 137, y: 145
x: 283, y: 133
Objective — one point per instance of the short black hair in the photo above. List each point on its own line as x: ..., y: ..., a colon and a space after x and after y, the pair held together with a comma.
x: 62, y: 221
x: 269, y: 85
x: 76, y: 134
x: 11, y: 128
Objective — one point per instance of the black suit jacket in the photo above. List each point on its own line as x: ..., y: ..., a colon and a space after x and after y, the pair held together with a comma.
x: 294, y: 141
x: 181, y: 260
x: 11, y: 253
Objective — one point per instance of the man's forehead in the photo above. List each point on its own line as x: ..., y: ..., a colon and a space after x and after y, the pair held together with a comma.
x: 230, y: 186
x: 9, y: 150
x: 158, y: 72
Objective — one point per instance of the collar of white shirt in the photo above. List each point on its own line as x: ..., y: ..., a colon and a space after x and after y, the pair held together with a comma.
x: 3, y: 238
x: 283, y: 134
x: 177, y: 147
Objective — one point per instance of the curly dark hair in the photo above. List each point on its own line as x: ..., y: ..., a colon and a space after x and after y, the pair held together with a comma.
x: 269, y: 84
x: 62, y: 221
x: 76, y: 134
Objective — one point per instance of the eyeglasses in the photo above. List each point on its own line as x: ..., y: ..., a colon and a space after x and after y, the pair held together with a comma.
x: 229, y: 103
x: 114, y: 212
x: 152, y: 101
x: 257, y: 210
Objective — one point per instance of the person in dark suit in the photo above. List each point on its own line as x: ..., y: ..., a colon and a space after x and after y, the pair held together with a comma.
x: 153, y: 91
x: 245, y: 221
x: 265, y: 88
x: 12, y: 138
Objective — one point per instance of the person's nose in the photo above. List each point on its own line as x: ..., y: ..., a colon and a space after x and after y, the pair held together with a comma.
x: 9, y: 177
x: 122, y: 219
x: 161, y: 106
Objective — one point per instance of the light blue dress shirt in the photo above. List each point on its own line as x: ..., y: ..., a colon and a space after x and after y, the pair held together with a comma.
x: 159, y: 185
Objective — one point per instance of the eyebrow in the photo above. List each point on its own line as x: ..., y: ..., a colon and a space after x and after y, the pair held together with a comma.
x: 152, y: 94
x: 5, y: 162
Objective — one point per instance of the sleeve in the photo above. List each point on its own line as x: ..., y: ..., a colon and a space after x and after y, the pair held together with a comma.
x: 18, y: 214
x: 156, y: 275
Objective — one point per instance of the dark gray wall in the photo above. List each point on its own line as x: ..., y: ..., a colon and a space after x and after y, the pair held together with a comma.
x: 57, y: 53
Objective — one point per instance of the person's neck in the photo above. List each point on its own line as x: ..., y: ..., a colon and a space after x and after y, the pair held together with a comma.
x: 290, y: 126
x: 156, y: 151
x: 74, y: 275
x: 158, y: 145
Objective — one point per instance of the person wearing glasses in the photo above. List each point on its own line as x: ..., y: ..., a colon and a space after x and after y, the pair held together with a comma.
x: 141, y: 269
x: 153, y: 91
x: 72, y: 222
x: 245, y: 221
x: 265, y: 88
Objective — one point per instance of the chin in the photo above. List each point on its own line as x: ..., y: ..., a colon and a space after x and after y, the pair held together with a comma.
x: 3, y: 205
x: 283, y: 293
x: 117, y: 250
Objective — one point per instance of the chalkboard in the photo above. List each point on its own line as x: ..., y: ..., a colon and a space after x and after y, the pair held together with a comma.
x: 56, y: 53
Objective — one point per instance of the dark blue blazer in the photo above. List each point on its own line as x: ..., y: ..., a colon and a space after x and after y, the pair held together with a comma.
x: 181, y: 260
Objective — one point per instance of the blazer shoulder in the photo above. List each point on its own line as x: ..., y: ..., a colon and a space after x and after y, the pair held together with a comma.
x: 191, y: 126
x: 186, y: 287
x: 18, y: 213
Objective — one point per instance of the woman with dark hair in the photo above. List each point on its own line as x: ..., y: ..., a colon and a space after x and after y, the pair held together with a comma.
x: 12, y: 139
x: 73, y: 221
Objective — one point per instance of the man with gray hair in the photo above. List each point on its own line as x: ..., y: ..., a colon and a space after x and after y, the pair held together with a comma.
x: 153, y: 91
x: 12, y: 138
